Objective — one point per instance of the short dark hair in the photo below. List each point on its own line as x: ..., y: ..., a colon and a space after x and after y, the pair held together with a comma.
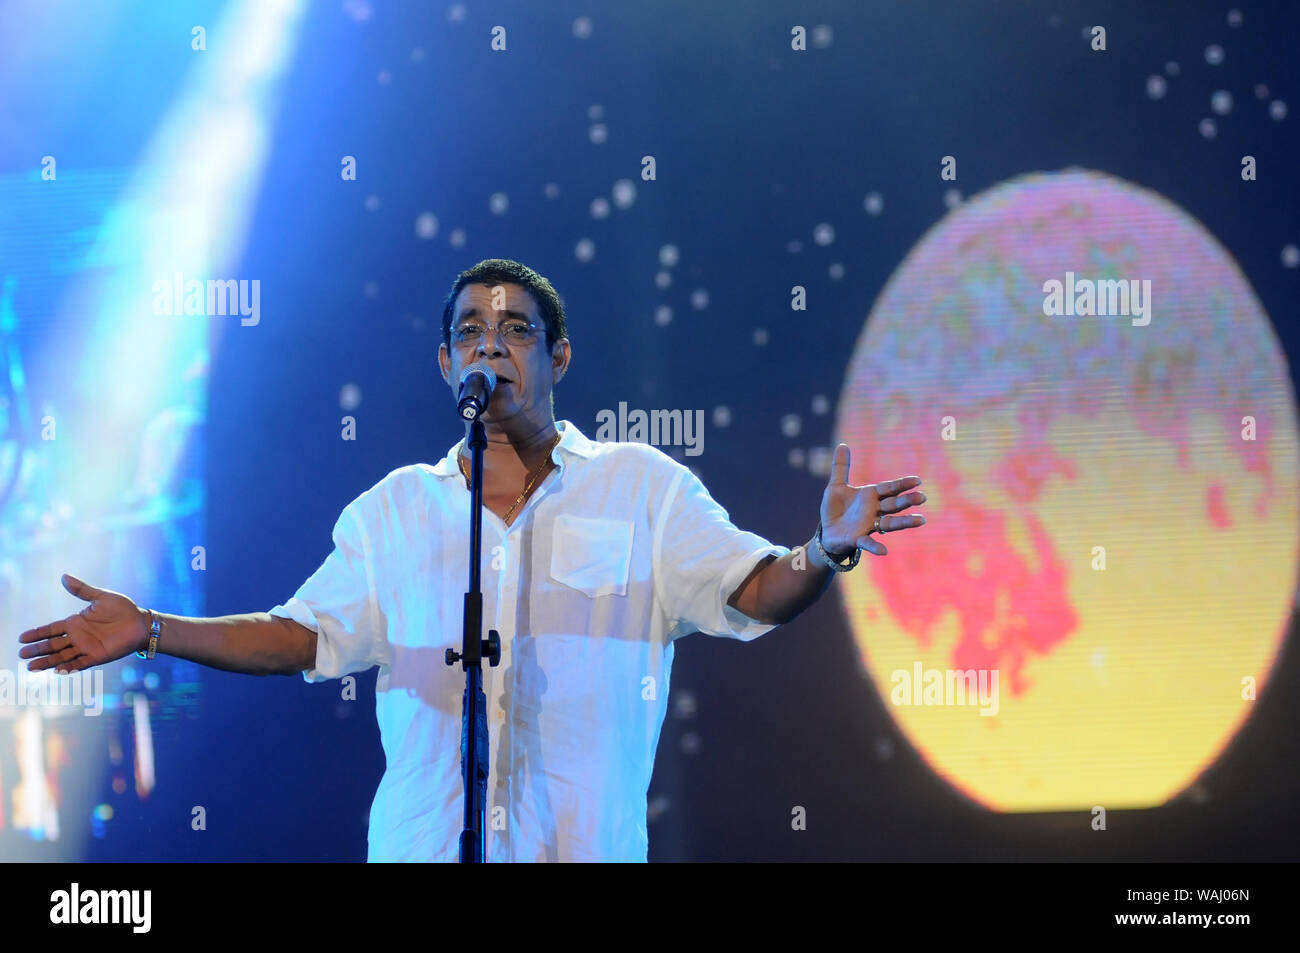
x: 497, y: 271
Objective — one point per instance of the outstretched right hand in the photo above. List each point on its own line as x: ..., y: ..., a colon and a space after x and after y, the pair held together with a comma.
x: 109, y: 628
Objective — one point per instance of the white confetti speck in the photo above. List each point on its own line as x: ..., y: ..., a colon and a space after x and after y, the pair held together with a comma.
x: 721, y: 416
x: 873, y: 203
x: 358, y: 10
x: 1208, y: 128
x: 663, y: 315
x: 582, y: 27
x: 794, y: 247
x: 499, y: 203
x: 1277, y: 109
x: 551, y: 191
x: 350, y: 397
x: 384, y: 77
x: 699, y: 299
x: 822, y: 36
x: 372, y: 203
x: 657, y: 808
x: 952, y: 198
x: 595, y: 111
x: 1171, y: 69
x: 599, y: 207
x: 457, y: 238
x: 1221, y: 102
x: 663, y: 280
x: 597, y: 133
x: 426, y: 225
x: 684, y: 704
x: 790, y: 425
x: 585, y: 250
x: 1290, y: 256
x: 760, y: 336
x: 669, y: 255
x: 1214, y: 54
x: 820, y: 404
x: 456, y: 12
x: 1156, y: 86
x: 1234, y: 17
x: 624, y: 193
x: 836, y: 271
x: 824, y: 234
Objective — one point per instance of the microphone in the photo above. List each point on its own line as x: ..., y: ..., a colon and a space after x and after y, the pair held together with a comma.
x: 477, y: 382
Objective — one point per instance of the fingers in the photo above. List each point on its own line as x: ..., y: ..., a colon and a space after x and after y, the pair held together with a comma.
x: 80, y: 589
x: 65, y: 660
x: 840, y: 465
x: 889, y: 524
x: 893, y: 487
x: 53, y: 644
x: 873, y: 546
x: 897, y: 503
x: 53, y: 651
x: 45, y: 632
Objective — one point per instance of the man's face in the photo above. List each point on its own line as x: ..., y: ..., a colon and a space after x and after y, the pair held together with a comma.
x: 526, y: 372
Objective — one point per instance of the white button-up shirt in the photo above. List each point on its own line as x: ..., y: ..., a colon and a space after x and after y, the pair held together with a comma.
x: 618, y: 552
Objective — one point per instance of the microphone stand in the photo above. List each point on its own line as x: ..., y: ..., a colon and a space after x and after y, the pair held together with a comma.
x: 474, y: 648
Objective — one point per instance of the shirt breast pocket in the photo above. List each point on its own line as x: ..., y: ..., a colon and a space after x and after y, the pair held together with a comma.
x: 592, y: 555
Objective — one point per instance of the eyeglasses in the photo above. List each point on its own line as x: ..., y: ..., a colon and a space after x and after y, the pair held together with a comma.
x: 517, y: 333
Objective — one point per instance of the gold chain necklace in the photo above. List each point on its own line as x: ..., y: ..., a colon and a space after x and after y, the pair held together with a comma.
x: 532, y: 479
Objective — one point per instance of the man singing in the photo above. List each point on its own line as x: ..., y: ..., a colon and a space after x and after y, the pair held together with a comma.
x: 596, y: 558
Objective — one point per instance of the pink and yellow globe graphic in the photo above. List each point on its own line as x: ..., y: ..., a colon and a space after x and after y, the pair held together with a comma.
x: 1112, y: 505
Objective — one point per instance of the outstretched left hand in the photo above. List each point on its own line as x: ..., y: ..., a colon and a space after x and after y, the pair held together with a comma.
x: 849, y: 513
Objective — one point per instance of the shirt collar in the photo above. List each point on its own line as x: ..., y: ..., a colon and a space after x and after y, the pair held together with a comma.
x: 572, y: 440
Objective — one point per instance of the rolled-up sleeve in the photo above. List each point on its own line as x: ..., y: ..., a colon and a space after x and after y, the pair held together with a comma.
x: 339, y: 603
x: 701, y: 558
